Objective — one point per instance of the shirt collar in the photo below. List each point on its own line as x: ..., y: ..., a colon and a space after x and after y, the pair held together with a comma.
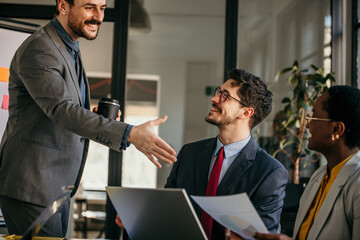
x: 232, y: 148
x: 65, y: 37
x: 335, y: 170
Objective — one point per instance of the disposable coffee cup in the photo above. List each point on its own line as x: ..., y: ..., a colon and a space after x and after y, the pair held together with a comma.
x: 108, y: 107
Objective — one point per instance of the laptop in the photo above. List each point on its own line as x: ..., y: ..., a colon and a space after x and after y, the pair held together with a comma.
x: 156, y: 213
x: 46, y: 214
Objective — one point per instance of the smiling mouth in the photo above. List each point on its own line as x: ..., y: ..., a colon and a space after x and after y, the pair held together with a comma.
x: 215, y: 109
x: 93, y: 24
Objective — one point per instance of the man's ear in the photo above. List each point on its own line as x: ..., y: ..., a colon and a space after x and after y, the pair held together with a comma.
x: 247, y: 112
x: 63, y: 6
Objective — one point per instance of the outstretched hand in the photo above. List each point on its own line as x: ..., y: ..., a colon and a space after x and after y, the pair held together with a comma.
x: 150, y: 144
x: 230, y: 235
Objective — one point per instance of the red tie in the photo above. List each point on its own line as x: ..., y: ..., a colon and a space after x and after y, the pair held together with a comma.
x: 211, y: 187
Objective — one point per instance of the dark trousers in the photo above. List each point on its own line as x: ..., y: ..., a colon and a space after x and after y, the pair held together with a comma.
x: 19, y: 215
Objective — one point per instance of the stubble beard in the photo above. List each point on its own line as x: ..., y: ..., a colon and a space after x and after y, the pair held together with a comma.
x: 218, y: 123
x: 79, y: 28
x: 211, y: 121
x: 218, y: 119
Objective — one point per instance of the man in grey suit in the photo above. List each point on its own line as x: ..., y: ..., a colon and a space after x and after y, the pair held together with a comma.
x: 238, y: 105
x: 45, y: 144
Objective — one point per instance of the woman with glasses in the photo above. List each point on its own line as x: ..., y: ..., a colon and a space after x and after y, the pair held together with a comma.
x: 330, y: 205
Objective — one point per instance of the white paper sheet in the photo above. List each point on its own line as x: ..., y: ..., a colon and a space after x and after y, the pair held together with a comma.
x: 235, y: 212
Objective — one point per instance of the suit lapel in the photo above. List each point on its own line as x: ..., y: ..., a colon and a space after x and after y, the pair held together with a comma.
x: 308, y: 198
x: 203, y: 159
x: 87, y: 88
x: 331, y: 197
x: 238, y: 167
x: 63, y: 51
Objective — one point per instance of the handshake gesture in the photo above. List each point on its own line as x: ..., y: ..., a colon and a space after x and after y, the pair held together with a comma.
x: 150, y: 144
x: 147, y: 142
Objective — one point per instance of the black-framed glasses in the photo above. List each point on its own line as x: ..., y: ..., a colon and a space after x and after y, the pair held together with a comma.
x: 225, y: 95
x: 309, y: 118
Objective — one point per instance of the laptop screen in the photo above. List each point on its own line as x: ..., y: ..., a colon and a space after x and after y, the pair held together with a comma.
x: 156, y: 213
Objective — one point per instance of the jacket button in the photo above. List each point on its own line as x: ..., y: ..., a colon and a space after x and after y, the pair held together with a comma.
x: 82, y: 140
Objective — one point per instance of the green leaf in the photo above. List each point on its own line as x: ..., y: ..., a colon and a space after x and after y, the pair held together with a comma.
x: 287, y: 109
x: 294, y: 80
x: 320, y: 83
x: 291, y: 123
x: 314, y: 67
x: 315, y: 78
x: 288, y: 143
x: 275, y: 153
x: 285, y: 70
x: 281, y: 144
x: 330, y: 77
x: 320, y: 71
x: 296, y: 63
x: 286, y: 100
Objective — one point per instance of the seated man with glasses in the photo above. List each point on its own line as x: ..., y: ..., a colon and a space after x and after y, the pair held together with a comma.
x: 232, y: 162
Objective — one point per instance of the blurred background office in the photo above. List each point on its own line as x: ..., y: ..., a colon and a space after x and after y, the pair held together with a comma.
x: 174, y: 54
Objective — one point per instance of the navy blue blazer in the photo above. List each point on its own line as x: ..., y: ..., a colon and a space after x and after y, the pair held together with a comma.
x: 254, y: 171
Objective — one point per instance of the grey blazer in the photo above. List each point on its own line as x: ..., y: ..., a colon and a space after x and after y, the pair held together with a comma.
x: 45, y: 143
x: 339, y: 216
x: 254, y: 171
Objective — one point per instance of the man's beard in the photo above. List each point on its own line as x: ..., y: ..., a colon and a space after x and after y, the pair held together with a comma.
x: 221, y: 122
x: 211, y: 121
x: 79, y: 28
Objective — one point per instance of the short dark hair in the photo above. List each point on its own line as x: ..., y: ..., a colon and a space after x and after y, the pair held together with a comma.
x: 71, y: 2
x: 254, y: 93
x: 343, y: 104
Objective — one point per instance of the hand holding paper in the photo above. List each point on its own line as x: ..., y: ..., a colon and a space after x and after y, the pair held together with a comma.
x: 235, y: 212
x: 272, y: 236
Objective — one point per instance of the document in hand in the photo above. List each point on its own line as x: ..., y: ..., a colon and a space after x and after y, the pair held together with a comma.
x: 235, y: 212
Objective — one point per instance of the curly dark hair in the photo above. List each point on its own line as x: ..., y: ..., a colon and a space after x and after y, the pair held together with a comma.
x: 343, y: 104
x: 71, y: 2
x: 254, y: 93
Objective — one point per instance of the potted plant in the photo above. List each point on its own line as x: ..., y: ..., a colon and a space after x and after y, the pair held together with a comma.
x: 292, y: 124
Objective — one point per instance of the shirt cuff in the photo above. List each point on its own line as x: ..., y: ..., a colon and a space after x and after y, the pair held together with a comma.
x: 124, y: 142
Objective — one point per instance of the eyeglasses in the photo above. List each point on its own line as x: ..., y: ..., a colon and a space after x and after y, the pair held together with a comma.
x: 309, y: 118
x: 224, y: 95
